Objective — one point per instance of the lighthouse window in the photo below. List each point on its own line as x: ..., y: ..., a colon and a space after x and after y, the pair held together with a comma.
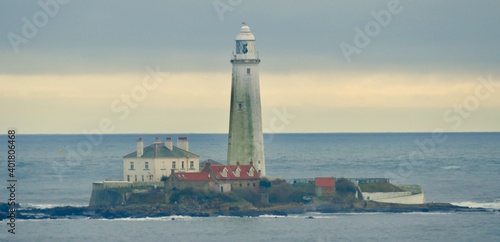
x: 248, y: 71
x: 240, y: 106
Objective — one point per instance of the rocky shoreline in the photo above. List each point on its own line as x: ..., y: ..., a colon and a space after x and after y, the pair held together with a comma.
x: 242, y: 210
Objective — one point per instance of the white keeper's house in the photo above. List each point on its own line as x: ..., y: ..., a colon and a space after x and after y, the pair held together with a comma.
x: 151, y: 163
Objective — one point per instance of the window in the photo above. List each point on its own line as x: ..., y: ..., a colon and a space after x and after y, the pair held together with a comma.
x: 250, y: 172
x: 151, y: 178
x: 241, y: 47
x: 128, y: 177
x: 146, y: 165
x: 191, y: 164
x: 142, y: 177
x: 131, y: 165
x: 135, y: 177
x: 248, y: 71
x: 182, y: 167
x: 240, y: 184
x: 224, y: 172
x: 173, y: 164
x: 248, y: 184
x: 254, y: 184
x: 240, y: 106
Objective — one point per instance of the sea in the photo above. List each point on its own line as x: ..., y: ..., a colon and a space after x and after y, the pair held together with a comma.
x: 460, y: 168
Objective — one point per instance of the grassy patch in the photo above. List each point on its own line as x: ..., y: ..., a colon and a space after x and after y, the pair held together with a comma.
x: 308, y: 187
x: 188, y: 195
x: 283, y: 192
x: 379, y: 187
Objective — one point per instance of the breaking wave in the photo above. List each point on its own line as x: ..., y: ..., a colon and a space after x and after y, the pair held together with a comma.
x: 451, y: 167
x: 487, y: 205
x: 49, y: 205
x: 166, y: 218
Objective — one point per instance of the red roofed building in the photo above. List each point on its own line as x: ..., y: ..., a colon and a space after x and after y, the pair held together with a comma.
x: 229, y: 177
x: 221, y: 178
x: 325, y: 186
x: 198, y: 180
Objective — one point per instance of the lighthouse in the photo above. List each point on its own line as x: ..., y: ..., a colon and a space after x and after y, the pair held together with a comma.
x: 245, y: 141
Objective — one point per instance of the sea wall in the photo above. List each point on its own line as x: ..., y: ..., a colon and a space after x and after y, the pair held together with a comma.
x: 106, y: 197
x: 412, y: 199
x: 377, y: 196
x: 114, y: 193
x: 413, y: 194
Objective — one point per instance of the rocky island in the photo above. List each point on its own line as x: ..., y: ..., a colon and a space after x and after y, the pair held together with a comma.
x: 276, y: 198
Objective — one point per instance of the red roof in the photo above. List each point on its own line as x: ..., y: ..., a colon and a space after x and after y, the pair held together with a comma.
x: 325, y: 181
x: 231, y: 172
x: 193, y: 176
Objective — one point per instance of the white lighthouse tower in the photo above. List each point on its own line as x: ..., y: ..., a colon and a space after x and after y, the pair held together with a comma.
x: 245, y: 120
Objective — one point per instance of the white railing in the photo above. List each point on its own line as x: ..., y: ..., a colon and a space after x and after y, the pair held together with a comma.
x: 245, y: 56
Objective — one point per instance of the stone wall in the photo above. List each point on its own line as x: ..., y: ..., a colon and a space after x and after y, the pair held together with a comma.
x: 114, y: 193
x: 411, y: 199
x: 413, y: 194
x: 376, y: 196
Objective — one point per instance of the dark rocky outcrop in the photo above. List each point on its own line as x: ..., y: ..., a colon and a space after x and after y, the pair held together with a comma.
x: 242, y: 210
x: 281, y: 199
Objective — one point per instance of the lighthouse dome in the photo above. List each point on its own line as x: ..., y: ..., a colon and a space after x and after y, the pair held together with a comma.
x: 245, y: 33
x: 245, y: 29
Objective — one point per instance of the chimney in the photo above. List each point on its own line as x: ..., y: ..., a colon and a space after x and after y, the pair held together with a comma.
x: 140, y: 147
x: 155, y: 145
x: 183, y: 143
x: 169, y: 144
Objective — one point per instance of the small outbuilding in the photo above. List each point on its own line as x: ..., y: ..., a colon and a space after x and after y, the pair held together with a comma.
x: 325, y: 186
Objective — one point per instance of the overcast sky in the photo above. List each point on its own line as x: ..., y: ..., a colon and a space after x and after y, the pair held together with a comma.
x: 331, y: 66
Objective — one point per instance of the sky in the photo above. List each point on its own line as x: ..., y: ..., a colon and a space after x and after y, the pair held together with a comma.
x: 74, y: 66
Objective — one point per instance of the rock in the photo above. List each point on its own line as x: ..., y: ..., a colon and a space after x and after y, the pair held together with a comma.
x: 240, y: 210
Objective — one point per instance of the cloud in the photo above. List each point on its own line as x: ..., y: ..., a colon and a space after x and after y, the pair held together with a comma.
x: 387, y: 90
x: 107, y: 37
